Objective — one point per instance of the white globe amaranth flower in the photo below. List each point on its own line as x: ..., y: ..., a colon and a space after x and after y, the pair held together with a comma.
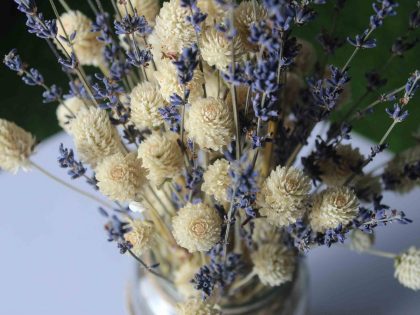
x: 85, y: 45
x: 407, y: 268
x: 217, y: 180
x: 306, y: 59
x: 283, y: 196
x: 161, y: 156
x: 16, y: 146
x: 361, y: 241
x: 141, y: 236
x: 183, y: 276
x: 172, y: 29
x: 147, y: 8
x: 121, y: 177
x: 167, y: 78
x: 94, y: 136
x: 196, y: 307
x: 145, y: 100
x: 197, y: 227
x: 333, y: 206
x: 210, y: 123
x: 335, y: 173
x: 216, y: 49
x: 64, y: 116
x: 274, y: 264
x: 244, y: 16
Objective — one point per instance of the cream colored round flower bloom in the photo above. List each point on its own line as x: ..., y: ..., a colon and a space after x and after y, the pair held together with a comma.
x: 306, y: 59
x: 120, y: 177
x: 145, y: 103
x: 333, y: 206
x: 94, y: 136
x: 361, y: 241
x: 16, y: 146
x: 407, y: 268
x: 216, y: 49
x: 86, y: 46
x: 210, y: 123
x: 283, y: 196
x: 141, y: 236
x: 161, y: 156
x: 74, y: 104
x: 244, y: 17
x: 167, y: 78
x: 274, y: 264
x: 335, y: 173
x: 197, y: 227
x: 148, y: 8
x: 172, y: 28
x: 217, y: 180
x: 183, y: 276
x: 196, y: 307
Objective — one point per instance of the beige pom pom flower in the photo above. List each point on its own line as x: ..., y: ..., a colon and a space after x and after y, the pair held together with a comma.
x: 167, y: 78
x: 74, y: 104
x: 172, y: 28
x: 16, y: 145
x: 306, y: 59
x: 148, y: 8
x: 94, y: 136
x: 210, y: 123
x: 87, y: 48
x: 283, y: 196
x: 197, y: 227
x: 244, y: 17
x: 216, y: 49
x: 183, y: 277
x: 336, y: 173
x: 196, y: 307
x: 333, y: 206
x: 407, y: 268
x: 161, y: 156
x: 217, y: 180
x: 120, y: 177
x: 361, y: 241
x: 145, y: 103
x: 274, y: 264
x: 141, y: 236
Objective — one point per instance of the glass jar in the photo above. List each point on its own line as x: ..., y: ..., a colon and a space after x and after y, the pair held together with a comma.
x: 149, y: 296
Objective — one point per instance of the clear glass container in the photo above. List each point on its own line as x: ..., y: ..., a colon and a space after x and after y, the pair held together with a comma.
x: 149, y: 296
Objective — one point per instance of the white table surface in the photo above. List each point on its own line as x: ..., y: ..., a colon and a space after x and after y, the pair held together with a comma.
x: 55, y: 259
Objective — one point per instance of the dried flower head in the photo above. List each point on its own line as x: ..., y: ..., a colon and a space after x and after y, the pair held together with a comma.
x: 197, y: 227
x: 148, y: 8
x: 217, y: 180
x: 306, y: 59
x: 94, y: 136
x: 335, y: 173
x: 172, y: 29
x: 274, y: 264
x: 407, y: 268
x: 120, y: 177
x: 196, y: 307
x: 141, y: 236
x: 361, y: 241
x: 216, y: 49
x: 145, y: 100
x: 74, y: 104
x: 283, y: 196
x: 333, y: 206
x: 85, y: 44
x: 167, y: 78
x: 16, y: 146
x: 183, y: 277
x: 210, y: 123
x: 161, y: 156
x: 244, y: 16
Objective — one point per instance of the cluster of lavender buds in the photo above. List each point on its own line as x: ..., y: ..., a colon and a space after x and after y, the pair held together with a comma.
x: 193, y: 118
